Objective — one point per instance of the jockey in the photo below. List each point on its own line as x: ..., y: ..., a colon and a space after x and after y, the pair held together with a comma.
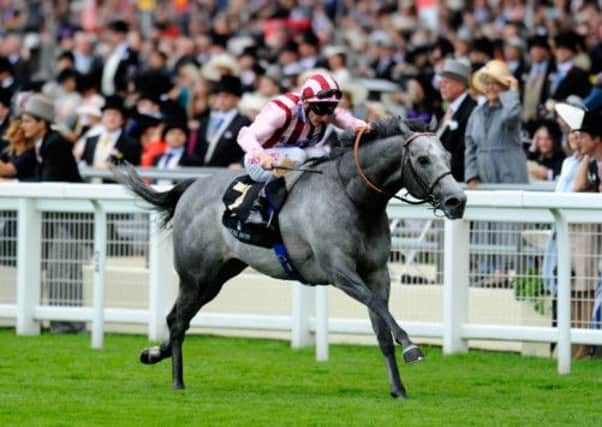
x: 291, y: 127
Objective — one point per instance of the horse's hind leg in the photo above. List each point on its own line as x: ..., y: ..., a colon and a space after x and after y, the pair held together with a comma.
x: 387, y: 347
x: 189, y: 302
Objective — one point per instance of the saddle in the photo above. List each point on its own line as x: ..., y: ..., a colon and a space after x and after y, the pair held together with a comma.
x: 238, y: 200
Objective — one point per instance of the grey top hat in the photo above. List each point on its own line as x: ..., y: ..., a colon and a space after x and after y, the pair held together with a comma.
x: 455, y: 69
x: 41, y: 107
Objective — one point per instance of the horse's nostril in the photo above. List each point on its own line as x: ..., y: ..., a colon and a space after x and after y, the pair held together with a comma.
x: 452, y: 202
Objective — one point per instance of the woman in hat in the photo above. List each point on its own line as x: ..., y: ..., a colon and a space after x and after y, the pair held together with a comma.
x: 18, y: 160
x: 494, y: 150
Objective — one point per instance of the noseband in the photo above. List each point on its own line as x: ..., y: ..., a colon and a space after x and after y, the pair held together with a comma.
x: 427, y: 196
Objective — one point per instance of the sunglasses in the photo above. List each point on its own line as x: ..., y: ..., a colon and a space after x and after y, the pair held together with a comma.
x: 329, y: 93
x: 323, y: 108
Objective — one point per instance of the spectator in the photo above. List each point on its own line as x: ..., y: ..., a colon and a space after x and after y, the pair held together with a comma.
x: 216, y: 141
x: 5, y: 104
x: 112, y: 142
x: 546, y: 152
x: 122, y: 63
x: 494, y: 150
x: 175, y: 135
x: 21, y: 66
x: 568, y: 78
x: 537, y: 81
x: 7, y: 80
x: 18, y: 160
x: 454, y: 89
x: 55, y: 161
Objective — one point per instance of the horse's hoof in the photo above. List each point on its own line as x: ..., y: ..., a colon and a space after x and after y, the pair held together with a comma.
x: 412, y: 354
x: 150, y: 356
x: 399, y: 395
x: 178, y: 386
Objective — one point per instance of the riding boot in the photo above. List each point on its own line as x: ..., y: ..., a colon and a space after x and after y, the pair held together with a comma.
x: 256, y: 212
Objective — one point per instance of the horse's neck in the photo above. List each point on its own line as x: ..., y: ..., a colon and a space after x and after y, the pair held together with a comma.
x: 381, y: 163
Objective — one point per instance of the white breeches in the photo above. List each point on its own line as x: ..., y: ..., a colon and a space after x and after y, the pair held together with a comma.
x: 295, y: 154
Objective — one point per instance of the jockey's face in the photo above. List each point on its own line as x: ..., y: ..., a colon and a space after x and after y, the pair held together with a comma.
x: 320, y: 113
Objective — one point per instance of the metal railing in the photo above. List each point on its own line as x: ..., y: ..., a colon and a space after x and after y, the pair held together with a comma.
x: 99, y: 231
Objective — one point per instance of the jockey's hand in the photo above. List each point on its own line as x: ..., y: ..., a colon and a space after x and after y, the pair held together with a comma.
x: 266, y: 161
x: 365, y: 129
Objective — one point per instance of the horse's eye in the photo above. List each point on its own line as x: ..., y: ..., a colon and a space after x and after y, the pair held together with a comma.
x: 423, y: 161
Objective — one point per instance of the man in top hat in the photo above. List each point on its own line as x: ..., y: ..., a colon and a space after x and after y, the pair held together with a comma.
x: 112, y: 143
x: 537, y: 79
x: 215, y: 142
x: 175, y: 134
x: 53, y: 153
x: 568, y: 79
x: 122, y: 63
x: 587, y: 125
x: 453, y: 87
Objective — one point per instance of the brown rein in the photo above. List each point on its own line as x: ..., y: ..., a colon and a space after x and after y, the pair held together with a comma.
x: 370, y: 184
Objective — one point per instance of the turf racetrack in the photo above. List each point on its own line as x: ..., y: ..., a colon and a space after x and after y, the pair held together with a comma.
x: 58, y: 380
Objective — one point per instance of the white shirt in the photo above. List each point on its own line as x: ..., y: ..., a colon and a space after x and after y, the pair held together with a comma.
x: 104, y: 150
x: 455, y: 104
x: 110, y: 68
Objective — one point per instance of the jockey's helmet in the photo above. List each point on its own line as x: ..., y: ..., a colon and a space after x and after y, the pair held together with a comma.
x: 321, y: 88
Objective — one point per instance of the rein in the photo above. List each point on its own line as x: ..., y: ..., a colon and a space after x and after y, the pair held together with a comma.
x: 426, y: 198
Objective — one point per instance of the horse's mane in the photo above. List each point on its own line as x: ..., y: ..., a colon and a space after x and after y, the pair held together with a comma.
x: 381, y: 129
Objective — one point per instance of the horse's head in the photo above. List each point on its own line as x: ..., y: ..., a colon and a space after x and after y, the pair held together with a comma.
x: 425, y: 171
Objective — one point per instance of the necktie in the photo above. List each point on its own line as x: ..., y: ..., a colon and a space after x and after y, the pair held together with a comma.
x: 168, y: 157
x: 105, y: 140
x: 216, y: 124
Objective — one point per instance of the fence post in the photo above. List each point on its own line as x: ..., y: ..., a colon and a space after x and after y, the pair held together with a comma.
x: 303, y: 307
x: 455, y: 285
x: 564, y: 292
x: 29, y: 259
x: 100, y: 258
x: 321, y: 320
x: 162, y: 291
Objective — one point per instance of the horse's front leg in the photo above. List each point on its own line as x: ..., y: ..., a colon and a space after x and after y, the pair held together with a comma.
x: 379, y: 282
x: 347, y: 279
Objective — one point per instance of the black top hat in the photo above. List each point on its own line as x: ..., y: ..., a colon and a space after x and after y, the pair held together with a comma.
x: 483, y: 44
x: 119, y: 26
x: 592, y: 122
x: 311, y: 39
x: 568, y: 40
x: 66, y: 74
x: 5, y: 97
x: 115, y: 102
x: 175, y: 117
x: 228, y: 84
x: 539, y: 40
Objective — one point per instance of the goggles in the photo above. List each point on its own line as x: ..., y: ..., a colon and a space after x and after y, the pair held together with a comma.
x: 329, y: 93
x: 323, y: 108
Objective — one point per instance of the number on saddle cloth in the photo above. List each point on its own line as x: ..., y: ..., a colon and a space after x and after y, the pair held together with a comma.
x: 238, y: 200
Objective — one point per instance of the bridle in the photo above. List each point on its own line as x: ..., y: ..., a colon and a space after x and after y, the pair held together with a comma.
x: 427, y: 196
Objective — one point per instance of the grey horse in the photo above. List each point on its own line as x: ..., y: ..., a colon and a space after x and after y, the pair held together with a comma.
x: 333, y: 224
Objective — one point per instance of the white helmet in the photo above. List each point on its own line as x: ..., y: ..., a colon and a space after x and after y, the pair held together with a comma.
x: 320, y: 87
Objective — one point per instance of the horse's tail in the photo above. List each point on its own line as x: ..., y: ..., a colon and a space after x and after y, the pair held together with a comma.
x: 163, y: 201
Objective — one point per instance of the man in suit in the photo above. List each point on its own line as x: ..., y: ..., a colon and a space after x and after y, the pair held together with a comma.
x: 121, y: 66
x: 54, y: 153
x: 111, y: 143
x: 215, y: 141
x: 454, y: 90
x: 536, y: 82
x: 568, y: 79
x: 5, y: 104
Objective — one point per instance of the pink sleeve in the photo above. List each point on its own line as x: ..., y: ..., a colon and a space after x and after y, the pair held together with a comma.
x: 344, y: 120
x: 251, y: 138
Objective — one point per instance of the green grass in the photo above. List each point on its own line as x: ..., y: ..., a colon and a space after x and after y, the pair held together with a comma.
x: 56, y: 380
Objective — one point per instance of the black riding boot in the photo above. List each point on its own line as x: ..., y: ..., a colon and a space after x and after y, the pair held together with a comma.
x: 256, y: 212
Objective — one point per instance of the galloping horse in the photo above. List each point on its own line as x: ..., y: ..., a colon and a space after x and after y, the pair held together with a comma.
x: 333, y: 224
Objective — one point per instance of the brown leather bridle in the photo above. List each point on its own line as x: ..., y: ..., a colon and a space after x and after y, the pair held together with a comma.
x: 427, y: 197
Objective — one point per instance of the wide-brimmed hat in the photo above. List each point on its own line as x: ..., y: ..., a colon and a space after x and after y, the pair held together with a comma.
x: 39, y: 106
x: 456, y: 70
x: 212, y: 70
x: 494, y: 69
x: 580, y: 120
x: 91, y: 106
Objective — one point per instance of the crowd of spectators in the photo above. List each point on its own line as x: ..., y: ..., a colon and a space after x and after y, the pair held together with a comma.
x: 202, y: 70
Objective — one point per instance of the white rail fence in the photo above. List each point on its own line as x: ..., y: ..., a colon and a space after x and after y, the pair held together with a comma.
x: 449, y: 250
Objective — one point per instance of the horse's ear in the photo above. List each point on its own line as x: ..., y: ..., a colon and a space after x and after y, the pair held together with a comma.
x: 433, y: 124
x: 404, y: 127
